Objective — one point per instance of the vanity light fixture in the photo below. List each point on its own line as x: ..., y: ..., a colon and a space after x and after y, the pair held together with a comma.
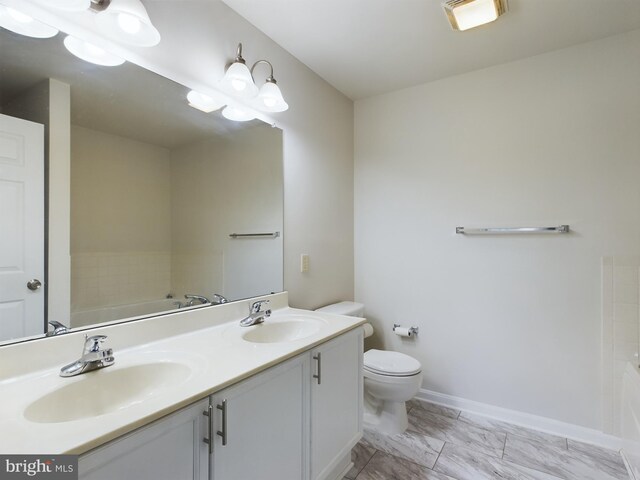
x: 127, y: 21
x: 466, y: 14
x: 269, y: 97
x: 205, y: 103
x: 23, y: 24
x: 91, y: 53
x: 238, y: 81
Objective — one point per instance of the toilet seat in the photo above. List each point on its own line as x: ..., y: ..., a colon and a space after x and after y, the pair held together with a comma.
x: 391, y: 364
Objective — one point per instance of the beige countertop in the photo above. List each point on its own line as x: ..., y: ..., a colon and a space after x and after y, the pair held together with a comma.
x: 210, y: 358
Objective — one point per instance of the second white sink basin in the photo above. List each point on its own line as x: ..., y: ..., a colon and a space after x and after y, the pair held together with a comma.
x: 106, y: 390
x: 289, y: 330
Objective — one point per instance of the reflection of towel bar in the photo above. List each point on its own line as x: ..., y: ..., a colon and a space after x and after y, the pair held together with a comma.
x: 499, y: 230
x: 243, y: 235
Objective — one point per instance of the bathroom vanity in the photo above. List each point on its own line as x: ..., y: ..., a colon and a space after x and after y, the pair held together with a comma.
x: 205, y: 399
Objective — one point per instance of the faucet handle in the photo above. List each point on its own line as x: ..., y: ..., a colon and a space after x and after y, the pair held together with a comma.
x: 256, y: 307
x: 92, y: 344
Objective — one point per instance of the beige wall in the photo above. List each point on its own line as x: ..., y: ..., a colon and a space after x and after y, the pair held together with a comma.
x: 509, y: 321
x: 120, y: 194
x: 120, y: 218
x: 221, y: 187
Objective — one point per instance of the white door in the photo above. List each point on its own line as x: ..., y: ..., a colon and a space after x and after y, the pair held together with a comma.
x: 21, y: 228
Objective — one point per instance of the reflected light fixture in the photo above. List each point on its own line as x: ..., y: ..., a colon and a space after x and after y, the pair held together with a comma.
x: 128, y: 21
x: 23, y: 24
x: 91, y: 53
x: 237, y: 114
x: 68, y: 5
x: 466, y: 14
x: 205, y: 103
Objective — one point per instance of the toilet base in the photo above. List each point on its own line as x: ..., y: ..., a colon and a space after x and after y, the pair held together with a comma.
x: 389, y: 418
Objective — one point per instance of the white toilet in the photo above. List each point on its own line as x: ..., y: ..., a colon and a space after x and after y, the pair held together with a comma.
x: 390, y: 379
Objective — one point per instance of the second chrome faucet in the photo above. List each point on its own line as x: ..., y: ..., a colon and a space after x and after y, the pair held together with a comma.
x: 256, y: 314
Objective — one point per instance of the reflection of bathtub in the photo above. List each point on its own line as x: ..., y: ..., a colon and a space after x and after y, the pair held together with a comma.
x: 116, y: 312
x: 630, y: 416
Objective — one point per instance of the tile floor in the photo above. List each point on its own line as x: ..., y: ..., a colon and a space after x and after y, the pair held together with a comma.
x: 445, y: 444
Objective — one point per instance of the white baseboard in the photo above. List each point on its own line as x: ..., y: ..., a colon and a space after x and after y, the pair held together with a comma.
x: 535, y: 422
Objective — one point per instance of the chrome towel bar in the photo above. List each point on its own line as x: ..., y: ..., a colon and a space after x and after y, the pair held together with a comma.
x: 246, y: 235
x: 511, y: 230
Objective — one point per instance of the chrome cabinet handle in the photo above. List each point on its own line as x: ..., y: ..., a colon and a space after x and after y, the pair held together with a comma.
x: 34, y: 284
x: 318, y: 357
x: 208, y: 440
x: 223, y: 433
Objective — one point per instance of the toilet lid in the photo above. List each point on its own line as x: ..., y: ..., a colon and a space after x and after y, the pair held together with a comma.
x: 390, y: 363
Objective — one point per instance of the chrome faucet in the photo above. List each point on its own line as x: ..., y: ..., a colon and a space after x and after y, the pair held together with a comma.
x: 256, y: 314
x: 195, y: 298
x: 93, y: 358
x: 58, y: 329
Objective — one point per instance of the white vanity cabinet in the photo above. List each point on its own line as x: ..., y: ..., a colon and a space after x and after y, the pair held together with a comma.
x: 297, y: 420
x: 170, y: 448
x: 259, y: 426
x: 336, y: 403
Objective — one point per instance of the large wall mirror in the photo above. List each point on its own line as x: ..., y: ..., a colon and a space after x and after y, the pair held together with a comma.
x: 157, y: 191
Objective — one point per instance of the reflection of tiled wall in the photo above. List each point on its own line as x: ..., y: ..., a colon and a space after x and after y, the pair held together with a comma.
x: 620, y: 331
x: 100, y: 279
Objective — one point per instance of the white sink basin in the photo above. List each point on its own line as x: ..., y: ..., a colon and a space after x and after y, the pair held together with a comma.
x: 283, y: 330
x: 106, y: 390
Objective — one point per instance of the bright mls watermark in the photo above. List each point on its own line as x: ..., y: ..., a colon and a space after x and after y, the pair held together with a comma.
x: 50, y: 467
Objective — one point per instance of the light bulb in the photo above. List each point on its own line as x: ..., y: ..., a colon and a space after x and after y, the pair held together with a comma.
x: 94, y: 50
x: 270, y: 101
x: 129, y: 23
x: 19, y: 16
x: 238, y: 85
x: 91, y: 53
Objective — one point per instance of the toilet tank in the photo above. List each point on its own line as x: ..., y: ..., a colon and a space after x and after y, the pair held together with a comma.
x: 351, y: 309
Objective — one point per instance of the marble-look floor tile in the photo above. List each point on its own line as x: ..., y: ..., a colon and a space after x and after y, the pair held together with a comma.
x: 569, y: 464
x: 465, y: 464
x: 504, y: 427
x: 456, y: 432
x: 410, y: 445
x: 387, y: 467
x: 360, y: 456
x: 611, y: 458
x: 433, y: 408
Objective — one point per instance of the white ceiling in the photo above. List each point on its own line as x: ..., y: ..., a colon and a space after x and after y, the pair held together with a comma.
x: 369, y: 47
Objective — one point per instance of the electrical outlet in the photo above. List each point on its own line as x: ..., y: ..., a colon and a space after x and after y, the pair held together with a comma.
x: 304, y: 263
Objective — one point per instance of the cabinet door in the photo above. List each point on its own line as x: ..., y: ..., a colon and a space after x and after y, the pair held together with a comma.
x: 260, y: 423
x: 171, y: 448
x: 336, y: 401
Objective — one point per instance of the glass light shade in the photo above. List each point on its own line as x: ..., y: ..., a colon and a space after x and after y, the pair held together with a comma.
x: 473, y: 13
x: 127, y: 21
x: 238, y: 81
x: 21, y: 23
x: 204, y: 102
x: 69, y: 5
x: 270, y: 98
x: 237, y: 114
x: 91, y: 53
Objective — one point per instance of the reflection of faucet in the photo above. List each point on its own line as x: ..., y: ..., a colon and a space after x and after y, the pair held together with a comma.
x: 93, y: 358
x: 58, y: 329
x: 256, y: 314
x: 195, y: 298
x: 218, y: 299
